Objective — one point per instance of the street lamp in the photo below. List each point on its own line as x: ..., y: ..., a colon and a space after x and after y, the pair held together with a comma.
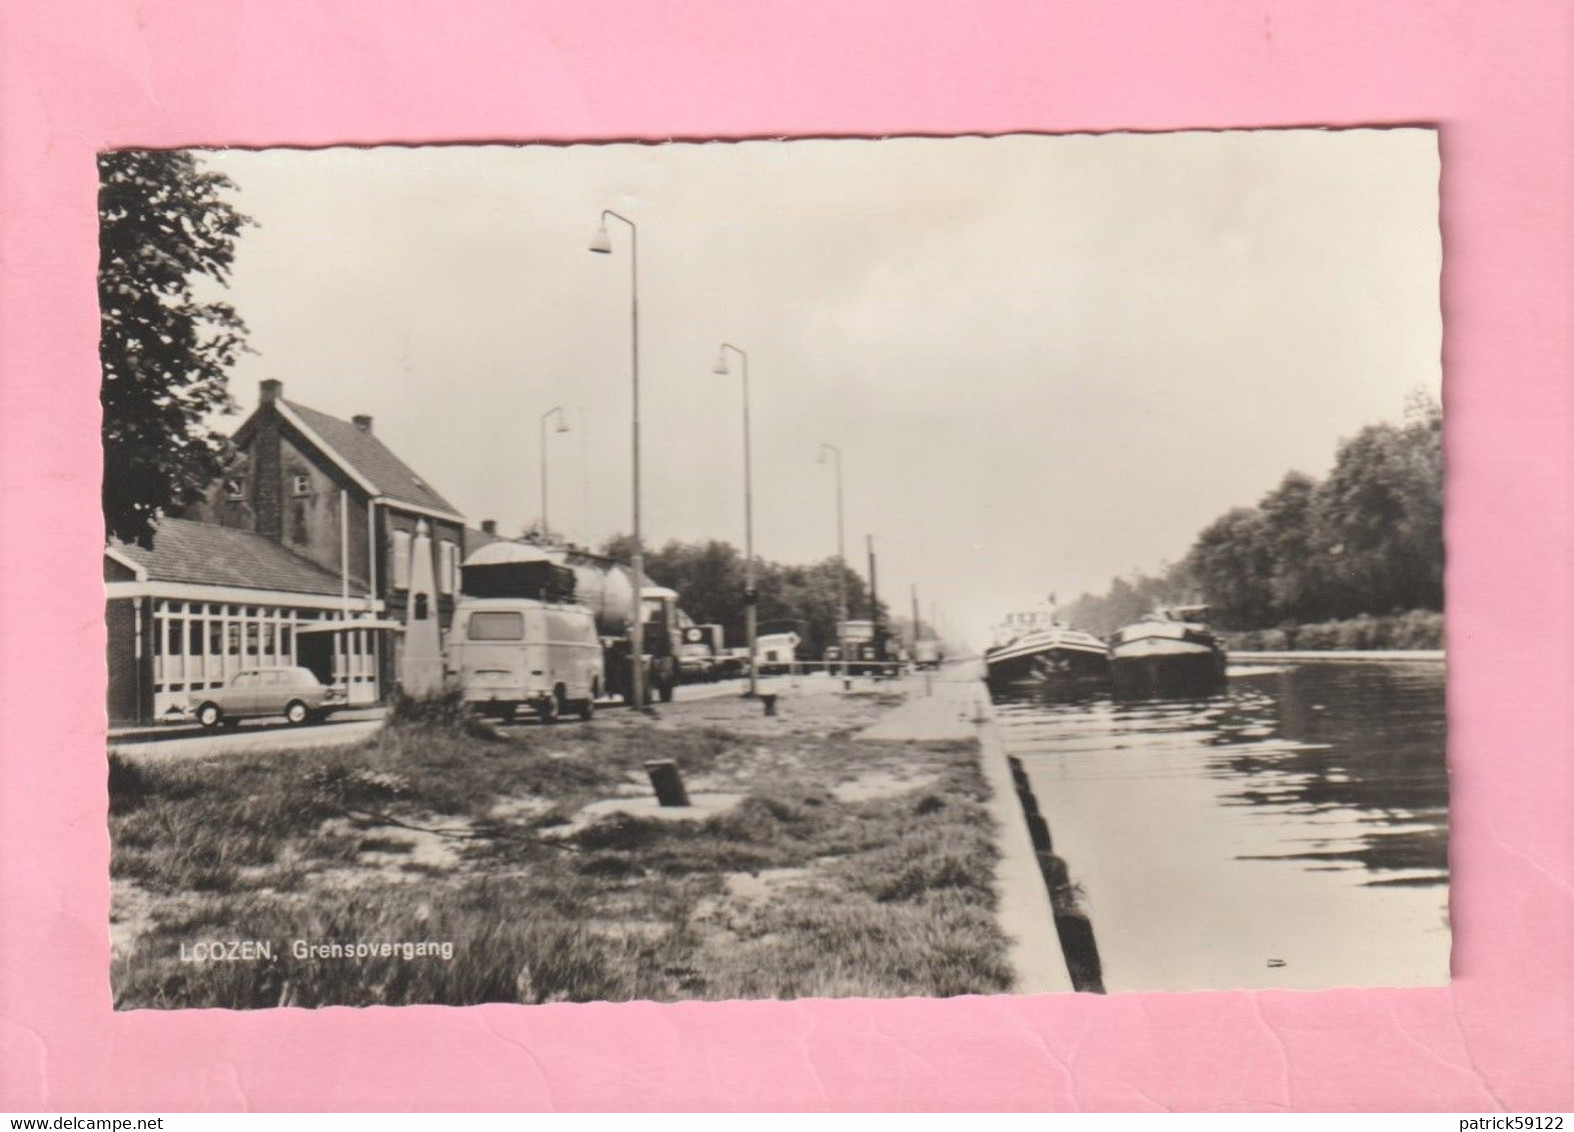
x: 750, y: 598
x: 841, y: 558
x: 601, y: 243
x: 562, y: 426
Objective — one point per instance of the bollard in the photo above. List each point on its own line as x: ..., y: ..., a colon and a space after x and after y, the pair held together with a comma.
x: 769, y: 700
x: 667, y: 782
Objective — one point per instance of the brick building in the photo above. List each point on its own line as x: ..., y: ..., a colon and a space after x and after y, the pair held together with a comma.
x: 299, y: 555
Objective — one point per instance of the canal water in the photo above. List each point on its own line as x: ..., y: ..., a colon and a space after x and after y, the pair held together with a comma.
x: 1289, y: 832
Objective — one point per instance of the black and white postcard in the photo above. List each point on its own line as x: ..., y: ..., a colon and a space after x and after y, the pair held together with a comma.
x: 776, y: 569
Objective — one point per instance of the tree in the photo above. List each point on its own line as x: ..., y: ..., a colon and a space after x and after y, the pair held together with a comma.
x: 1232, y: 561
x: 1129, y: 599
x: 1381, y: 511
x: 166, y: 353
x: 1299, y: 582
x: 808, y: 597
x: 708, y: 577
x: 619, y: 548
x: 1367, y: 540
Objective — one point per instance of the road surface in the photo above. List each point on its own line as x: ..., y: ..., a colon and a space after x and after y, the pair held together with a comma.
x: 352, y: 727
x: 263, y: 735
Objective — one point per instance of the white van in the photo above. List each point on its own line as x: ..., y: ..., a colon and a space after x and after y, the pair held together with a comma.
x: 509, y: 652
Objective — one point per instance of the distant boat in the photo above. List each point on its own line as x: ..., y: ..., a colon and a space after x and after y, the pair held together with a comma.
x: 1169, y: 652
x: 1036, y: 648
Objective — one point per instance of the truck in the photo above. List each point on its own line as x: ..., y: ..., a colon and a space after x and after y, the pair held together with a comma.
x: 533, y: 579
x: 702, y: 655
x: 927, y: 653
x: 869, y: 650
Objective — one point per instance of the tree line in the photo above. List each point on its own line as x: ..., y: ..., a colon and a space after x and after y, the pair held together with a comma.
x: 1365, y: 540
x: 709, y: 578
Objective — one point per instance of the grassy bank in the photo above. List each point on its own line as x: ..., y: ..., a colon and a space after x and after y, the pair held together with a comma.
x: 1417, y: 629
x: 827, y: 865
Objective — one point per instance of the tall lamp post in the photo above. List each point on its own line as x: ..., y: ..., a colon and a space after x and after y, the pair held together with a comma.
x: 562, y: 426
x: 750, y: 597
x: 601, y: 243
x: 841, y: 558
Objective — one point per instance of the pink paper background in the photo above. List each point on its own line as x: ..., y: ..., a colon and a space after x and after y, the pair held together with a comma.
x: 1496, y: 76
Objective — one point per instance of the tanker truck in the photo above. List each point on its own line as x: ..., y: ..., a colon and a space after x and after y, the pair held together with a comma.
x: 551, y: 587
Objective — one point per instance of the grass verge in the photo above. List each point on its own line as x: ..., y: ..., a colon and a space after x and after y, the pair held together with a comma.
x: 848, y: 867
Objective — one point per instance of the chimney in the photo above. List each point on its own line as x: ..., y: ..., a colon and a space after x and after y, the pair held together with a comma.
x: 489, y: 526
x: 363, y: 422
x: 267, y: 488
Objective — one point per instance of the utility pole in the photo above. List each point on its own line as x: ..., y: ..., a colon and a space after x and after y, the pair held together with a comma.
x: 874, y: 603
x: 916, y: 626
x: 841, y: 567
x: 601, y: 244
x: 751, y: 597
x: 562, y: 426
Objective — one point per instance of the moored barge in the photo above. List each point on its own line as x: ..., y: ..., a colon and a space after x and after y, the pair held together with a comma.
x: 1036, y: 648
x: 1169, y: 652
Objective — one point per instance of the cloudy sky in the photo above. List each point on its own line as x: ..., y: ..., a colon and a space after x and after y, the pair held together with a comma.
x: 1047, y: 360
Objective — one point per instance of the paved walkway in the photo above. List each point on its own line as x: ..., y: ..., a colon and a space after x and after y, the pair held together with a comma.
x: 938, y: 706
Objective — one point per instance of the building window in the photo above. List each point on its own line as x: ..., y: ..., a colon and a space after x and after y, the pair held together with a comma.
x: 421, y: 611
x: 400, y: 553
x: 448, y: 572
x: 301, y: 484
x: 235, y: 487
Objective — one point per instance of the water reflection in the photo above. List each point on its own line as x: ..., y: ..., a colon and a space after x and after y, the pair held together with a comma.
x: 1342, y: 763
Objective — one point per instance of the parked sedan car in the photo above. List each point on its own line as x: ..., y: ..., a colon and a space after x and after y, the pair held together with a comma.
x: 294, y: 693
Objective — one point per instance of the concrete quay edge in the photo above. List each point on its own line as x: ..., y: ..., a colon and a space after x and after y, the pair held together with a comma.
x: 1026, y: 915
x: 1431, y: 655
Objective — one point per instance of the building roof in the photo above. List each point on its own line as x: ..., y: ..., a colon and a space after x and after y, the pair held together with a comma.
x: 207, y: 555
x: 372, y: 459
